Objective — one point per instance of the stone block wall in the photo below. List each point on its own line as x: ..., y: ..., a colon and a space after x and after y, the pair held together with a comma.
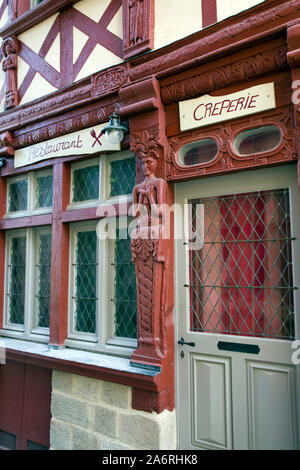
x: 90, y: 414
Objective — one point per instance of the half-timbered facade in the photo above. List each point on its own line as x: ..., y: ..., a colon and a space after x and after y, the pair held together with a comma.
x: 182, y: 333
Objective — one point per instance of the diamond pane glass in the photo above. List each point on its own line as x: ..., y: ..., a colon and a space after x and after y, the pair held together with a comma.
x: 125, y: 300
x: 241, y: 279
x: 44, y: 191
x: 43, y: 276
x: 17, y: 196
x: 86, y: 183
x: 122, y: 176
x: 17, y: 269
x: 85, y: 282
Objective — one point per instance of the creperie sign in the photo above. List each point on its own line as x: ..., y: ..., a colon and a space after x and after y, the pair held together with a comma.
x: 208, y: 109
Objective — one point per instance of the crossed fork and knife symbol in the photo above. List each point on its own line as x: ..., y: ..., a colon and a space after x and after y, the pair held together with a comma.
x: 94, y: 135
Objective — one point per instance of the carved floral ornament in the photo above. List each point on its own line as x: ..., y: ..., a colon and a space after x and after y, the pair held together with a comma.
x: 144, y: 142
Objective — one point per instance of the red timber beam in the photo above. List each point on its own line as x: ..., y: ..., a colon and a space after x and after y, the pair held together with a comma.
x: 6, y: 150
x: 152, y: 246
x: 293, y: 56
x: 209, y: 12
x: 59, y: 257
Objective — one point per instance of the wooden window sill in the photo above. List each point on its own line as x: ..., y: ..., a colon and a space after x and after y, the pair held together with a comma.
x: 95, y: 365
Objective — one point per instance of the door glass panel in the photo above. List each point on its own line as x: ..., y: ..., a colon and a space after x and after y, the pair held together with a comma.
x: 241, y: 278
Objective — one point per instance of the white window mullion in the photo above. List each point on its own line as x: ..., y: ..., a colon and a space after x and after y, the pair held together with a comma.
x: 31, y: 192
x: 103, y: 283
x: 29, y: 281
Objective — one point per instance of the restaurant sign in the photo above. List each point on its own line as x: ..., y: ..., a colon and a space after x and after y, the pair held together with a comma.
x: 208, y: 110
x: 85, y: 142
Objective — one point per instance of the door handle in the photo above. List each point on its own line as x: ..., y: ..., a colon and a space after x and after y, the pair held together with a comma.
x: 182, y: 342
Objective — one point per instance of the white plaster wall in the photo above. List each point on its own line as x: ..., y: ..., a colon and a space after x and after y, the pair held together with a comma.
x: 4, y: 18
x: 226, y: 8
x: 99, y: 59
x: 176, y: 19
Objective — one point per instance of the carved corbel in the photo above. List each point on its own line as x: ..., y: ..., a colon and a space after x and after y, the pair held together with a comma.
x: 10, y: 60
x: 293, y: 57
x: 138, y: 20
x: 6, y: 145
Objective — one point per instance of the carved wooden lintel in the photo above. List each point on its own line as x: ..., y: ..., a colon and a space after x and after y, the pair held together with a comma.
x: 138, y: 19
x: 9, y: 51
x: 240, y: 71
x: 62, y: 126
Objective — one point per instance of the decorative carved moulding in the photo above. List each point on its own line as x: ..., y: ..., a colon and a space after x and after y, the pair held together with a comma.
x: 9, y: 51
x: 293, y: 55
x: 76, y: 95
x: 227, y: 159
x: 6, y: 145
x: 240, y: 71
x: 138, y: 20
x: 62, y: 126
x: 232, y: 34
x: 109, y: 81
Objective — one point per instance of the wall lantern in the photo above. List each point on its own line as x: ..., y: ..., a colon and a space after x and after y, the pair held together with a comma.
x: 115, y: 131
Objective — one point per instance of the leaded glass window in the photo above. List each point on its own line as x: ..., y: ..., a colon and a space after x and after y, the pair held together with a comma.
x: 30, y: 193
x: 44, y: 191
x: 241, y: 279
x: 86, y: 183
x: 125, y: 302
x: 28, y: 279
x: 122, y: 176
x: 17, y: 271
x: 85, y: 298
x: 18, y: 196
x: 43, y: 280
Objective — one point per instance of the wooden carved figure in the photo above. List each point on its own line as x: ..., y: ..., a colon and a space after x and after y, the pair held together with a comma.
x: 149, y: 249
x: 9, y: 65
x: 135, y: 21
